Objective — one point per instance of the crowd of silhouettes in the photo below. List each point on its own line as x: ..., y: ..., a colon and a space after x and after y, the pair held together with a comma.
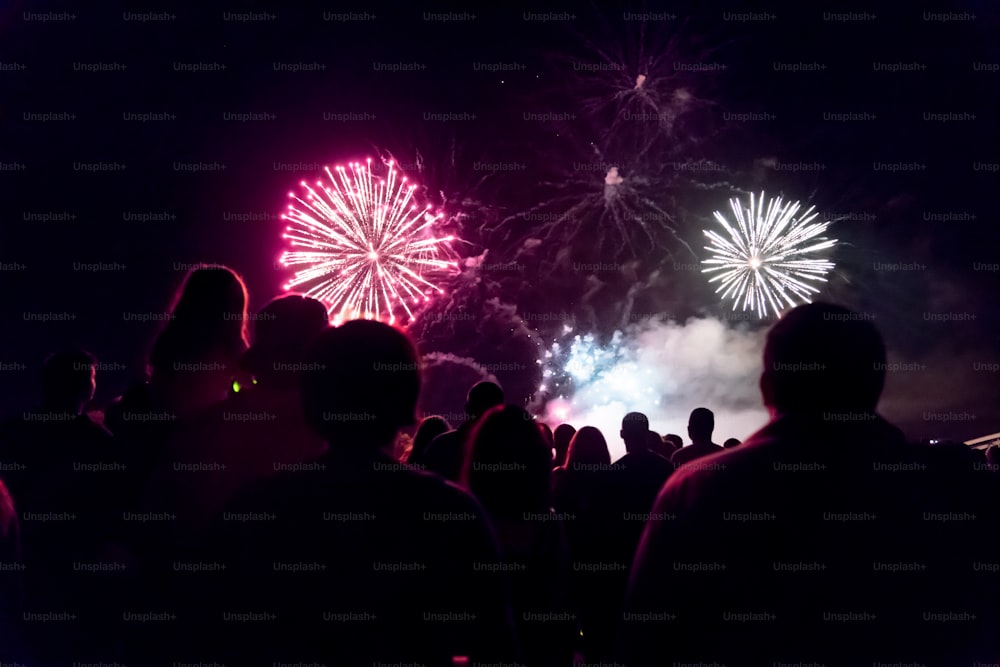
x: 245, y: 502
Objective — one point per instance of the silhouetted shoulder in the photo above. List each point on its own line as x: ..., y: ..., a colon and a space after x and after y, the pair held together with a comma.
x: 388, y: 484
x: 446, y: 453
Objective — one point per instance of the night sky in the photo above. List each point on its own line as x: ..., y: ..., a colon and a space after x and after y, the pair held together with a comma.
x: 116, y: 88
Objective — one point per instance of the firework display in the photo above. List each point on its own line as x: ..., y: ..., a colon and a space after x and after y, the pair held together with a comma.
x: 663, y: 369
x: 765, y: 260
x: 615, y: 172
x: 633, y: 161
x: 593, y: 373
x: 361, y: 245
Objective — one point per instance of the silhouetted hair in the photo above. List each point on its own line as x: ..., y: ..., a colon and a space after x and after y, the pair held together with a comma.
x: 730, y: 443
x: 547, y: 434
x: 66, y: 376
x: 430, y: 428
x: 208, y: 320
x: 823, y: 357
x: 674, y: 439
x: 509, y: 464
x: 483, y: 396
x: 282, y: 330
x: 588, y: 447
x: 560, y: 440
x: 360, y: 384
x: 701, y: 423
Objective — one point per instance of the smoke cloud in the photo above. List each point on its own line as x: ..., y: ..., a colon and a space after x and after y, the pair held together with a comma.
x: 665, y: 370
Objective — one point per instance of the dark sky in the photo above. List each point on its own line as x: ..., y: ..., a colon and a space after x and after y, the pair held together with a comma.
x: 56, y: 113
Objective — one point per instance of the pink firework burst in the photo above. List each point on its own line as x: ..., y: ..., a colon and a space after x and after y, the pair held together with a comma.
x: 361, y: 245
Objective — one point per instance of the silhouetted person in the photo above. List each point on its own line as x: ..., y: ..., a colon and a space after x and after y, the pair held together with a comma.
x: 446, y: 453
x: 730, y: 443
x: 641, y: 471
x: 657, y: 446
x: 14, y: 647
x: 993, y: 457
x: 191, y: 366
x: 674, y: 441
x: 254, y: 434
x: 625, y: 501
x: 59, y: 463
x: 549, y: 438
x: 509, y: 471
x: 360, y: 559
x: 701, y: 424
x: 69, y: 380
x: 561, y: 438
x: 824, y: 537
x: 46, y: 442
x: 581, y: 492
x: 430, y: 428
x: 576, y: 484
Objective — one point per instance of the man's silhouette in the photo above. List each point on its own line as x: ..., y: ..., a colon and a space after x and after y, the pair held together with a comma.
x: 824, y: 538
x: 701, y: 423
x: 642, y: 471
x: 59, y: 462
x: 359, y: 559
x: 45, y: 443
x: 446, y: 453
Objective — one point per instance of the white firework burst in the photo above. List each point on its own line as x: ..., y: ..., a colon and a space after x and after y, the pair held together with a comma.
x: 766, y: 262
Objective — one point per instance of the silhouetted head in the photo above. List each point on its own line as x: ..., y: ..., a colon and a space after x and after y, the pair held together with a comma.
x: 701, y: 423
x: 69, y: 380
x: 360, y: 385
x: 730, y: 443
x: 587, y: 448
x: 282, y: 331
x: 993, y: 455
x: 675, y: 441
x: 509, y: 464
x: 430, y: 428
x: 547, y: 434
x: 561, y: 439
x: 656, y: 445
x: 483, y: 396
x: 635, y: 427
x: 823, y: 358
x: 207, y: 321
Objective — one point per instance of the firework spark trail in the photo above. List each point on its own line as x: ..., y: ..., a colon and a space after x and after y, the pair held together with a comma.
x: 616, y: 208
x: 366, y: 250
x: 633, y: 90
x: 765, y: 262
x: 621, y: 197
